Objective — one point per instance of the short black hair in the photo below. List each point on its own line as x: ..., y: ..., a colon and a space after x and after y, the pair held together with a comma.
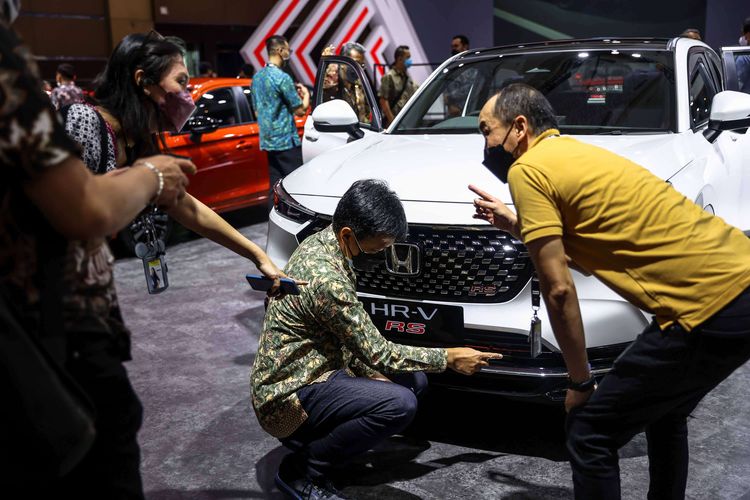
x: 274, y: 42
x: 67, y: 71
x: 370, y: 208
x: 399, y: 52
x: 204, y: 67
x: 463, y: 38
x: 746, y: 25
x: 521, y: 99
x: 691, y: 30
x: 347, y: 48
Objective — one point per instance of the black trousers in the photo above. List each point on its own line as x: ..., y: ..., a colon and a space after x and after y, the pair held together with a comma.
x: 349, y: 415
x: 654, y: 385
x: 281, y: 164
x: 111, y: 469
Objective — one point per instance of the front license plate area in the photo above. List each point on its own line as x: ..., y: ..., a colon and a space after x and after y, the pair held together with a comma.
x: 416, y: 322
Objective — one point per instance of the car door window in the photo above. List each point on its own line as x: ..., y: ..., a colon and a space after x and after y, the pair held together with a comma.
x: 218, y: 107
x: 737, y: 69
x: 342, y: 81
x: 701, y: 95
x: 249, y: 98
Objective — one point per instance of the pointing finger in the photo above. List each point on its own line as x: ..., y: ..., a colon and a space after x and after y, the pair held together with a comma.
x: 480, y: 192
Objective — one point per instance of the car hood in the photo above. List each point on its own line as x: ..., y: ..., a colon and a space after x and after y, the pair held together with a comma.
x: 438, y: 168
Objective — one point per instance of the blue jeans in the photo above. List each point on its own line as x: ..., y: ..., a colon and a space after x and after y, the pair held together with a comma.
x: 346, y: 416
x: 654, y: 385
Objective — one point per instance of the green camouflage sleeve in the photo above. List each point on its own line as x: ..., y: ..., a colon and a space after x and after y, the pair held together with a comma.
x: 386, y: 88
x: 344, y: 316
x: 360, y: 369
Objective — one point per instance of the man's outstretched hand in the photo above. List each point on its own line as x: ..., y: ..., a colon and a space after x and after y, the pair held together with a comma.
x: 468, y: 361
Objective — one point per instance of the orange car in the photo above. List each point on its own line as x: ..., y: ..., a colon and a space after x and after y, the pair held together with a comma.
x: 222, y: 140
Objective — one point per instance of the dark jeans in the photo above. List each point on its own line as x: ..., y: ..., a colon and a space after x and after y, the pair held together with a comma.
x: 346, y: 416
x: 111, y: 469
x: 281, y: 164
x: 654, y: 386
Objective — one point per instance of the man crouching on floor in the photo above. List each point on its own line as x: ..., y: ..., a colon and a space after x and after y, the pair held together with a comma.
x: 318, y: 382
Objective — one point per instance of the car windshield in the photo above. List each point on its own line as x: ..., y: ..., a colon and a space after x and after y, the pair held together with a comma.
x: 592, y: 91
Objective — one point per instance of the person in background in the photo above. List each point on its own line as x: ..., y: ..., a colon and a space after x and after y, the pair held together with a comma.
x: 325, y: 381
x: 47, y: 197
x: 742, y: 61
x: 277, y: 100
x: 205, y: 70
x: 579, y: 205
x: 397, y: 86
x: 66, y: 92
x: 246, y: 71
x: 342, y: 82
x: 457, y: 90
x: 692, y: 33
x: 141, y: 93
x: 459, y: 43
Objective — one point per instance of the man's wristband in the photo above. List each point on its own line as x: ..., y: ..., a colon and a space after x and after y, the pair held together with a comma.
x: 584, y: 386
x: 159, y: 176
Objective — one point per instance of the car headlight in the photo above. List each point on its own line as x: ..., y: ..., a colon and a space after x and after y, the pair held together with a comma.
x: 288, y: 207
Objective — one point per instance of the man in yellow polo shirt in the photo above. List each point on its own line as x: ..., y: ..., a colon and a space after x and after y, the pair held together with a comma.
x: 581, y: 205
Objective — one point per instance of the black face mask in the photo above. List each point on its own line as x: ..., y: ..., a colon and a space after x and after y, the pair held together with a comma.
x: 498, y: 161
x: 366, y: 262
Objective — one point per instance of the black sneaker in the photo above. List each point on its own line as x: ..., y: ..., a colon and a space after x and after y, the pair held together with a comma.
x: 297, y: 485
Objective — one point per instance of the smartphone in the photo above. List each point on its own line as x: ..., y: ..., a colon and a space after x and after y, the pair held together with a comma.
x: 263, y: 284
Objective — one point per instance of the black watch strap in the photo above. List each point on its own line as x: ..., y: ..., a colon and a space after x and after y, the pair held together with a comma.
x: 584, y: 386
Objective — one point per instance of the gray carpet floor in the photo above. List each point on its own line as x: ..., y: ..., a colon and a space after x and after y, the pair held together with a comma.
x: 194, y: 346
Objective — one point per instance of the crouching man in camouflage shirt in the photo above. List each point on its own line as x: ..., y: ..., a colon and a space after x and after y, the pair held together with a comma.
x: 325, y: 382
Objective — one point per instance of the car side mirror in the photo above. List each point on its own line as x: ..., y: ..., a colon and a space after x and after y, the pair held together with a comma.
x: 730, y: 110
x: 198, y: 125
x: 337, y: 116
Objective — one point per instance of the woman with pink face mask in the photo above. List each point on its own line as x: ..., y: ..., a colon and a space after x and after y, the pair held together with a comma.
x: 141, y: 94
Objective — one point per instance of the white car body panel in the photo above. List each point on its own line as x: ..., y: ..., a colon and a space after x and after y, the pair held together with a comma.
x: 430, y: 174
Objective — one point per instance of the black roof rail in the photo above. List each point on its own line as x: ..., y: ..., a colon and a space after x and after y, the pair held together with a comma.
x: 614, y: 40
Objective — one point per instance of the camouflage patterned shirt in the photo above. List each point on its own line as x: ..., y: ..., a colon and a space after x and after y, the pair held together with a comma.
x: 307, y: 337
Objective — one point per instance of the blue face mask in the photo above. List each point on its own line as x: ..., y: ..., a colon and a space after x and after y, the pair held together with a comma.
x: 408, y: 63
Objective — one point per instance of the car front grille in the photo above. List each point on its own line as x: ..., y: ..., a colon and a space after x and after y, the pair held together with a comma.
x: 455, y: 265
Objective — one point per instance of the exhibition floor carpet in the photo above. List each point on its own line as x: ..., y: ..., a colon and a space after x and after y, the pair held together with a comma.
x: 194, y: 346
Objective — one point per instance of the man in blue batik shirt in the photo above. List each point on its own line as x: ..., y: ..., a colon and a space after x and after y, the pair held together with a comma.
x: 277, y: 100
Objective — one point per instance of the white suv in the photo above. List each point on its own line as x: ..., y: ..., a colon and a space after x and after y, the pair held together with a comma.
x: 456, y: 281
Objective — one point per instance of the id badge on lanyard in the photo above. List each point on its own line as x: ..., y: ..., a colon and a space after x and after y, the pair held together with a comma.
x: 535, y: 330
x: 152, y: 254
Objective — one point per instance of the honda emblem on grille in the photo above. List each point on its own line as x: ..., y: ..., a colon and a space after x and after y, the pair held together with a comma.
x: 402, y: 259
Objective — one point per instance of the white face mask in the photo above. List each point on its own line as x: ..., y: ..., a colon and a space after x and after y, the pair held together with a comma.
x: 743, y: 41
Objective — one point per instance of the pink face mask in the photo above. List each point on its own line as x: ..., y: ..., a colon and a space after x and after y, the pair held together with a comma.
x: 178, y: 107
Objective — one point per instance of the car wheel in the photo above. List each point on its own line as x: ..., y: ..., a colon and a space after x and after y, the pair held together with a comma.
x: 136, y: 232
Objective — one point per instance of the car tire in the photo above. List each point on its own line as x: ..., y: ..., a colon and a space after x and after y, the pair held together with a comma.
x: 135, y: 232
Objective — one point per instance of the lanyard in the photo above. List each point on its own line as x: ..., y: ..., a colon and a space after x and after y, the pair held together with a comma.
x: 535, y: 330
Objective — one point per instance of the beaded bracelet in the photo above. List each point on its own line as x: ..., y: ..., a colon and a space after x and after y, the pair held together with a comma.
x: 159, y: 175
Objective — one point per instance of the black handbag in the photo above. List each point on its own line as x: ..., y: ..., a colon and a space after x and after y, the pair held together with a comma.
x: 48, y: 423
x: 46, y: 419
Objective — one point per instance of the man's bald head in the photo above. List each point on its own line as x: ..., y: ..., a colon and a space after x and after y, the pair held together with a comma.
x: 519, y: 99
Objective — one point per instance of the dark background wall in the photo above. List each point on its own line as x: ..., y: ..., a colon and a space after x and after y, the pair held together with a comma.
x: 724, y: 21
x: 437, y: 21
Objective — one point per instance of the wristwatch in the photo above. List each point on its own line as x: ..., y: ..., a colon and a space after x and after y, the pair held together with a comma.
x: 584, y: 386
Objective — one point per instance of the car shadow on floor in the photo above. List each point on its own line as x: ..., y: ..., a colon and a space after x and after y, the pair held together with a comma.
x: 492, y: 423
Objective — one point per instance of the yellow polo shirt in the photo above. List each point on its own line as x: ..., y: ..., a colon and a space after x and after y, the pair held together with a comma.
x: 630, y: 229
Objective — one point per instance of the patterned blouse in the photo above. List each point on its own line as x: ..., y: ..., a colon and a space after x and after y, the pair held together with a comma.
x: 274, y: 100
x: 32, y: 141
x: 307, y: 337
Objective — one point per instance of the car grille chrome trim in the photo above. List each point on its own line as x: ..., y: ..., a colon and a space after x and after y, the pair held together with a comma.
x: 457, y: 264
x: 536, y: 372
